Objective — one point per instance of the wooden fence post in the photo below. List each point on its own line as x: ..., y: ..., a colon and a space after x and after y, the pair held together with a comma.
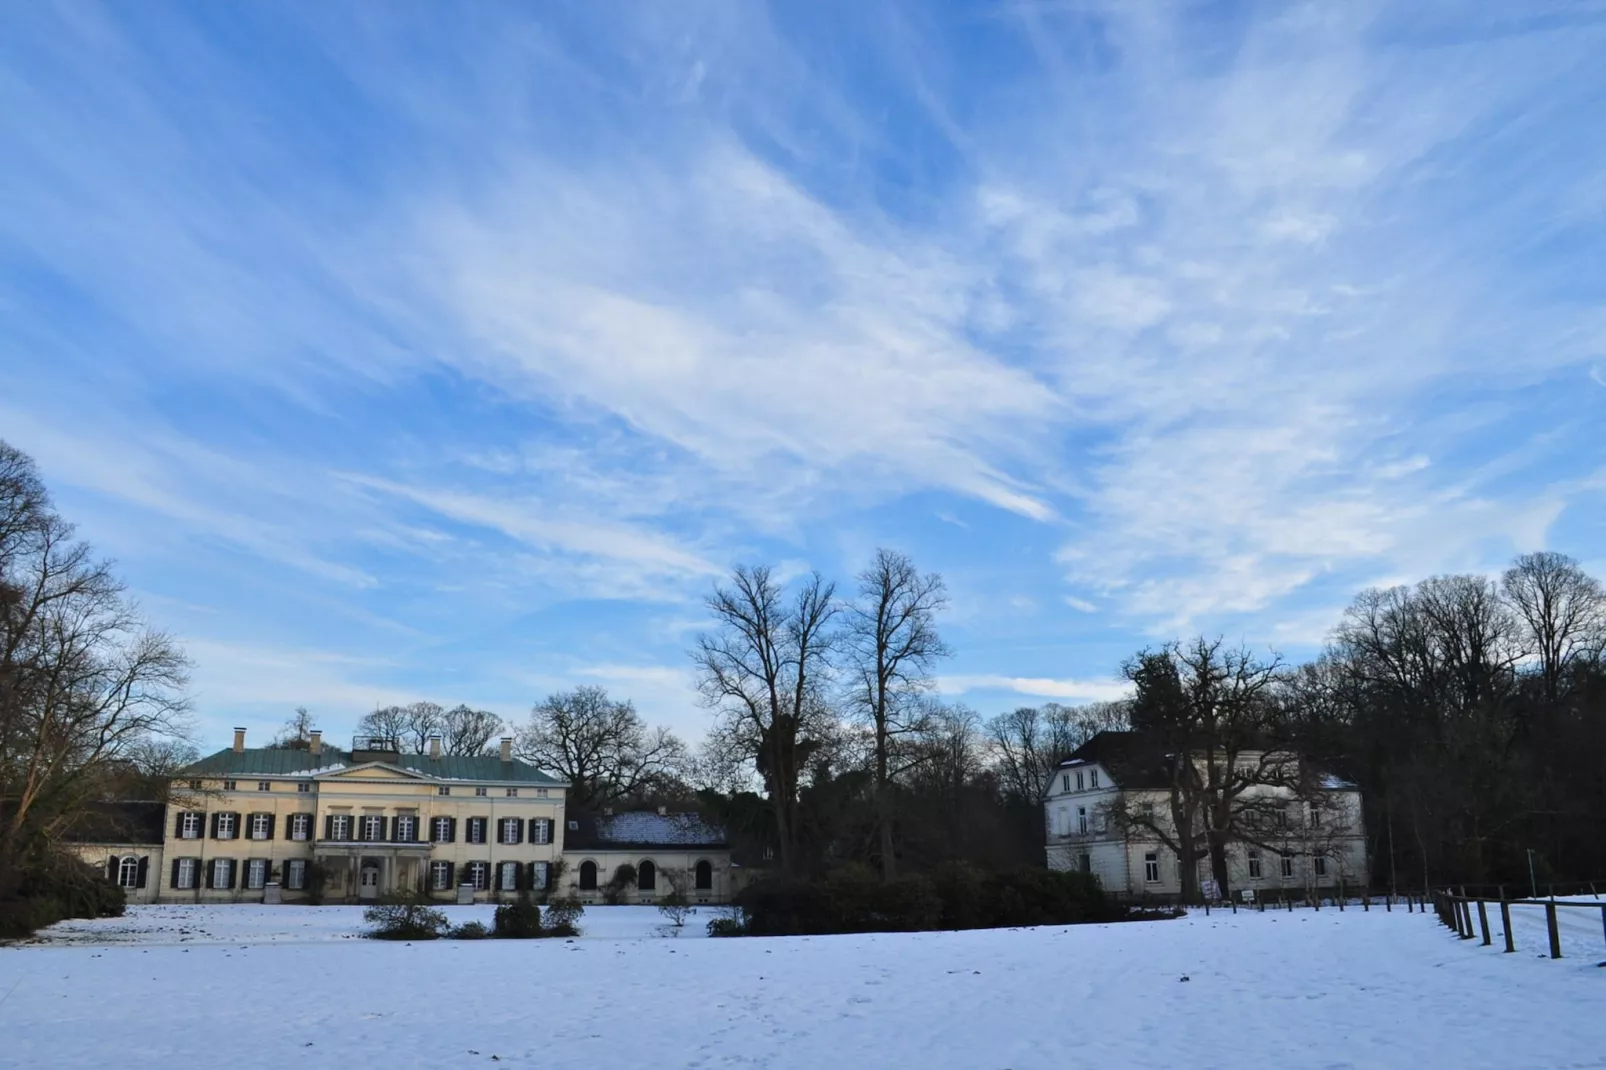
x: 1466, y: 914
x: 1483, y: 922
x: 1603, y: 920
x: 1555, y: 934
x: 1505, y: 920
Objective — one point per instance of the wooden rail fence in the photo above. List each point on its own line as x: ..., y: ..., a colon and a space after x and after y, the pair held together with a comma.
x: 1456, y: 908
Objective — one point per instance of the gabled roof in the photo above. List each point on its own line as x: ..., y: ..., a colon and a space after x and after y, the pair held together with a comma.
x: 643, y: 830
x: 1133, y: 759
x: 276, y: 761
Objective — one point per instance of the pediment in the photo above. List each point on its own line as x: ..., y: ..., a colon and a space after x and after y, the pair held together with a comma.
x: 372, y: 771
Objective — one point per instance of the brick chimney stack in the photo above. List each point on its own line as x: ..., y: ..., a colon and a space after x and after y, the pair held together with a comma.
x: 239, y: 741
x: 315, y: 741
x: 507, y: 748
x: 435, y: 748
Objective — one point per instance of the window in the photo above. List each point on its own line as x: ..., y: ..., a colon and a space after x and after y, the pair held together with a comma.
x: 1078, y: 781
x: 184, y: 873
x: 195, y: 785
x: 128, y: 872
x: 1085, y: 864
x: 1151, y: 868
x: 481, y: 792
x: 440, y: 876
x: 300, y: 826
x: 189, y: 826
x: 1092, y: 778
x: 508, y: 877
x: 442, y: 827
x: 1288, y: 866
x: 647, y: 876
x: 261, y: 826
x: 223, y: 873
x: 540, y: 830
x: 295, y: 875
x: 1281, y: 817
x: 1081, y: 820
x: 225, y: 826
x: 704, y: 878
x: 512, y: 793
x: 264, y: 785
x: 540, y: 793
x: 588, y: 876
x: 1315, y: 816
x: 1146, y: 812
x: 511, y: 832
x: 540, y: 874
x: 256, y: 874
x: 1254, y: 865
x: 228, y: 785
x: 304, y: 787
x: 443, y: 790
x: 373, y: 827
x: 574, y: 826
x: 340, y: 826
x: 476, y: 829
x: 1065, y: 782
x: 1320, y: 862
x: 479, y: 875
x: 406, y: 829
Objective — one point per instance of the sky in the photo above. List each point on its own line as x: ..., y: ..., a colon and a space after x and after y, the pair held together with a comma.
x: 453, y: 352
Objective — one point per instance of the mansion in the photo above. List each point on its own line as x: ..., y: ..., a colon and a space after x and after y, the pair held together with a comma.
x: 1302, y: 834
x: 292, y: 824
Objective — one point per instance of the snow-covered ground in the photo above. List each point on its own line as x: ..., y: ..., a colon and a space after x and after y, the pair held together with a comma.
x: 290, y: 986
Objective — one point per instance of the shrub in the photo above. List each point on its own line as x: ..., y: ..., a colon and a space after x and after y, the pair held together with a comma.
x: 563, y: 916
x: 728, y: 924
x: 623, y: 878
x: 554, y: 881
x: 518, y: 920
x: 469, y: 930
x: 405, y: 916
x: 677, y: 908
x: 56, y: 886
x: 953, y: 897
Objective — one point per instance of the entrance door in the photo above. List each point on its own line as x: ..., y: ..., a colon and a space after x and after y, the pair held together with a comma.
x: 368, y: 884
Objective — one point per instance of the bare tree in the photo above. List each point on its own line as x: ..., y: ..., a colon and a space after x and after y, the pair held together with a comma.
x: 1562, y: 610
x: 600, y: 745
x: 764, y: 669
x: 410, y: 726
x: 467, y: 733
x: 296, y: 733
x: 891, y: 644
x: 1030, y: 742
x: 84, y: 683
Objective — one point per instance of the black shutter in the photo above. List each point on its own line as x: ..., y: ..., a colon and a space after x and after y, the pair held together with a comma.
x: 234, y: 873
x: 211, y: 874
x: 239, y: 830
x: 173, y: 882
x: 272, y: 819
x: 144, y: 869
x: 215, y: 819
x: 178, y: 825
x: 111, y: 869
x: 329, y: 827
x: 381, y: 836
x: 518, y: 830
x: 451, y: 830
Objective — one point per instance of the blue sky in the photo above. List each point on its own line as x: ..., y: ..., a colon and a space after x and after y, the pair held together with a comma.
x: 410, y: 351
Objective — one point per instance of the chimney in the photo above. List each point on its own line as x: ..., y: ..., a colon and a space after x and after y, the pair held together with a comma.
x: 435, y: 748
x: 507, y: 748
x: 239, y: 741
x: 315, y: 741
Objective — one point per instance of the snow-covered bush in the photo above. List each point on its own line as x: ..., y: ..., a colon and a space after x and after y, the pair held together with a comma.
x: 405, y: 916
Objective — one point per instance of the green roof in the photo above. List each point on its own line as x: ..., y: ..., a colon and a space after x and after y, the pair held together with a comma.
x: 274, y: 761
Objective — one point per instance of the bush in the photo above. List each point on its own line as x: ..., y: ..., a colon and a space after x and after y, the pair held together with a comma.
x: 623, y: 878
x: 727, y: 925
x: 563, y: 917
x: 469, y: 930
x: 853, y: 900
x: 677, y: 908
x: 518, y: 920
x: 405, y: 916
x: 54, y: 887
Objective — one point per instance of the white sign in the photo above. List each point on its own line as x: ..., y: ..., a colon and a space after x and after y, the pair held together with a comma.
x: 1211, y: 889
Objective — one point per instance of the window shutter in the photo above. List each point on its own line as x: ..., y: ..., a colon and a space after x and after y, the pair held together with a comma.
x: 239, y: 831
x: 215, y: 819
x: 234, y: 873
x: 173, y: 881
x: 272, y: 820
x: 451, y: 875
x: 329, y: 827
x: 144, y: 870
x: 111, y: 869
x: 382, y: 829
x: 178, y: 825
x: 211, y: 873
x: 518, y: 830
x: 451, y: 830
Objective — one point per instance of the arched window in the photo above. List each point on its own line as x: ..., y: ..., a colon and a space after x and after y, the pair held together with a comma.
x: 128, y: 872
x: 646, y: 876
x: 588, y: 876
x: 705, y: 876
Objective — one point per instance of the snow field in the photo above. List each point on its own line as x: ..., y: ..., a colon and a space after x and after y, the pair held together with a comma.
x: 1322, y: 990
